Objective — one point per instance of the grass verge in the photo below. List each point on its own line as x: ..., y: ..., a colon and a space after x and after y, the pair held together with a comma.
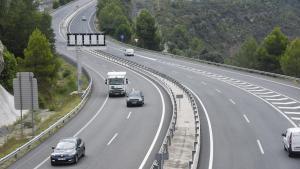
x: 62, y: 103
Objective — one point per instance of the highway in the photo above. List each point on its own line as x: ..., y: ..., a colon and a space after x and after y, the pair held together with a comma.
x: 246, y: 113
x: 116, y: 137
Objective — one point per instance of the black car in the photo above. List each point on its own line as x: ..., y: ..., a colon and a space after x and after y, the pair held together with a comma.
x: 68, y: 151
x: 135, y: 98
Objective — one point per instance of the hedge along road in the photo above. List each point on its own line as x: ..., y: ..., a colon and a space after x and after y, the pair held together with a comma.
x: 109, y: 134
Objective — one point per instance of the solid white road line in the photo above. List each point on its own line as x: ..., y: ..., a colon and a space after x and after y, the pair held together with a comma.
x: 257, y: 90
x: 260, y: 147
x: 246, y: 118
x: 276, y: 95
x: 232, y: 101
x: 264, y: 93
x: 290, y: 108
x: 284, y: 103
x: 253, y: 88
x: 162, y: 114
x: 128, y: 116
x: 295, y: 118
x: 211, y: 138
x: 112, y: 139
x: 280, y: 99
x: 218, y: 90
x: 88, y: 123
x: 294, y: 113
x: 146, y: 57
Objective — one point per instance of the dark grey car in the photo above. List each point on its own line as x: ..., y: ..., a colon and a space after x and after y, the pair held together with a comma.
x: 135, y: 98
x: 68, y: 151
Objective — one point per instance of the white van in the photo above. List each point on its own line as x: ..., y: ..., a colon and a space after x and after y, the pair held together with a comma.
x: 291, y: 140
x: 129, y: 52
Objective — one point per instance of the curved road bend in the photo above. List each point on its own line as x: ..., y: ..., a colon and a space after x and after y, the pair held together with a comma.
x: 247, y: 111
x: 115, y: 136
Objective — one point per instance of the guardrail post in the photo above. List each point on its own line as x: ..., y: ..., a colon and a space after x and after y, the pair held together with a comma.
x: 159, y: 159
x: 190, y: 164
x: 165, y: 152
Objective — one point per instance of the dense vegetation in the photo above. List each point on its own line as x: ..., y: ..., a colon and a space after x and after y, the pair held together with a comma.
x: 115, y: 20
x: 274, y: 54
x: 57, y: 3
x: 29, y: 42
x: 216, y: 30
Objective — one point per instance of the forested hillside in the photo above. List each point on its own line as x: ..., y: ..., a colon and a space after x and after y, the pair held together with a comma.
x: 222, y: 25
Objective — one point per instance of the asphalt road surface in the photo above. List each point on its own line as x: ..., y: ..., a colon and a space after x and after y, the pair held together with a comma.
x: 247, y: 112
x: 116, y: 137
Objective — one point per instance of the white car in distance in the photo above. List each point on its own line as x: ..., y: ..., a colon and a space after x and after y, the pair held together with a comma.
x: 129, y: 52
x: 291, y: 141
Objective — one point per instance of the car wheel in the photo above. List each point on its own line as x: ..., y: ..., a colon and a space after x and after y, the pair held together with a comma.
x: 52, y: 163
x: 83, y: 153
x: 290, y: 152
x: 76, y: 159
x: 284, y: 148
x: 127, y: 105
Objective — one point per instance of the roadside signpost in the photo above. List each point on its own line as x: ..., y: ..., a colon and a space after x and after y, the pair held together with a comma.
x: 26, y: 94
x: 179, y: 97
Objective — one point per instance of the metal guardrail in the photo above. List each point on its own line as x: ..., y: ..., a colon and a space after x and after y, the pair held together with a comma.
x: 163, y: 153
x: 50, y: 130
x: 212, y: 63
x: 27, y: 146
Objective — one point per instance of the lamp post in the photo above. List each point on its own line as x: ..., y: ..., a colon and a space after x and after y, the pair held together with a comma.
x: 78, y: 49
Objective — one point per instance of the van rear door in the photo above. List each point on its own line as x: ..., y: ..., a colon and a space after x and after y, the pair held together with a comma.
x: 296, y: 142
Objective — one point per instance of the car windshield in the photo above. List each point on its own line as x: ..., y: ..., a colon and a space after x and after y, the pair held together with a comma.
x: 65, y: 145
x: 134, y: 94
x: 116, y: 81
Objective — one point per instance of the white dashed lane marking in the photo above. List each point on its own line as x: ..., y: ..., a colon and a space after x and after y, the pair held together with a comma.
x: 246, y: 118
x: 288, y: 107
x: 260, y: 147
x: 231, y: 101
x: 112, y: 139
x: 128, y: 116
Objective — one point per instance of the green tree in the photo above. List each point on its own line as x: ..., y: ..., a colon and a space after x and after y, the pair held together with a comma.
x: 270, y: 51
x: 179, y: 39
x: 124, y: 30
x: 40, y: 60
x: 18, y: 21
x: 9, y: 71
x: 110, y: 16
x: 196, y: 47
x: 246, y: 56
x: 147, y: 32
x: 290, y: 61
x: 276, y: 42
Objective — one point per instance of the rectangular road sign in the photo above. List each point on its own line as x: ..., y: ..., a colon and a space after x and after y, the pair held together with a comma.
x: 86, y: 39
x: 25, y: 91
x: 179, y: 96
